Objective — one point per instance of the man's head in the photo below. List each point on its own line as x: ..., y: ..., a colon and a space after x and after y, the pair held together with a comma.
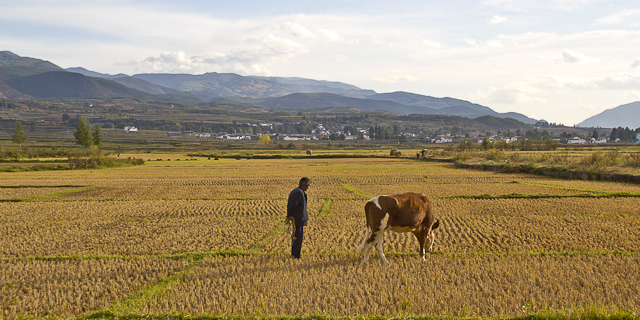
x: 304, y: 183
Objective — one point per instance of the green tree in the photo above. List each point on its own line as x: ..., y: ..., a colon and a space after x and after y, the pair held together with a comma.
x: 83, y: 134
x: 486, y: 143
x: 396, y: 129
x: 34, y: 125
x: 65, y: 117
x: 96, y: 135
x: 18, y: 135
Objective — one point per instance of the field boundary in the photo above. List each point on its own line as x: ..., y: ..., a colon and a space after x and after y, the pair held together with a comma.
x: 355, y: 191
x: 325, y: 210
x: 252, y: 252
x: 556, y: 173
x: 517, y: 195
x: 49, y: 195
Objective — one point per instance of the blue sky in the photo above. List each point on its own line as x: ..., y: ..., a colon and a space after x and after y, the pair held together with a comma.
x: 559, y: 60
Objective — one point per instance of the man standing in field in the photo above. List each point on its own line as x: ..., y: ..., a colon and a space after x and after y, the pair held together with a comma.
x: 297, y: 212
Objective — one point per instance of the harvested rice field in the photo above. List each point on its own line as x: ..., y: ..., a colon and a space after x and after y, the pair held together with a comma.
x: 205, y: 238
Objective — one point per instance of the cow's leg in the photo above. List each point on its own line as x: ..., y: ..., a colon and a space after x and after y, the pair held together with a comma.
x: 364, y: 241
x: 379, y: 246
x: 368, y: 243
x: 373, y: 240
x: 433, y: 239
x: 367, y: 251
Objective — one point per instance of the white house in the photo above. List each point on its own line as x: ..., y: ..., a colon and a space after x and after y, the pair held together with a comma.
x: 130, y: 129
x: 576, y: 140
x: 442, y: 139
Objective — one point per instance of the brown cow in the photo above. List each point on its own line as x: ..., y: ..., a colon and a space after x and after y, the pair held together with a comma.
x: 406, y: 212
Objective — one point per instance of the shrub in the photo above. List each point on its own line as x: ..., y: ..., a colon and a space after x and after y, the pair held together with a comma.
x: 495, y: 155
x: 515, y: 157
x: 461, y: 157
x: 395, y: 152
x: 633, y: 160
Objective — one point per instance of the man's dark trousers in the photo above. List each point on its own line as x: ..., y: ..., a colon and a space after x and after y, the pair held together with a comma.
x: 296, y: 246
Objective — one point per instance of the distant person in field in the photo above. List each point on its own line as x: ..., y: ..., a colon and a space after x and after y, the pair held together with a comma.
x: 297, y: 213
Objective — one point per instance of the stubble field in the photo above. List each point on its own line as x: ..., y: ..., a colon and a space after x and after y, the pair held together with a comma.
x: 207, y: 238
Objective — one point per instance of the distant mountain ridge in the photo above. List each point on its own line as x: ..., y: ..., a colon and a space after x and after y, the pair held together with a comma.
x: 315, y: 86
x: 8, y: 58
x: 22, y: 78
x: 94, y: 74
x: 448, y: 106
x: 627, y: 115
x: 28, y: 78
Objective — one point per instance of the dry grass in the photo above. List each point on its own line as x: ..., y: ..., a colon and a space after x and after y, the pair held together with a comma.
x: 494, y: 257
x: 74, y: 287
x: 26, y: 193
x: 485, y: 285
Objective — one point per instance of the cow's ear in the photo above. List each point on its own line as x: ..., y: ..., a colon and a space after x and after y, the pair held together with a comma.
x: 435, y: 225
x: 389, y: 203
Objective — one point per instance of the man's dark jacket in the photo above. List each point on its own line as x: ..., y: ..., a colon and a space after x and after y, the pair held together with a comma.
x: 297, y: 207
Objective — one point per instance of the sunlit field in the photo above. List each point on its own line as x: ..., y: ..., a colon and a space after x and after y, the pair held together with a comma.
x: 193, y: 236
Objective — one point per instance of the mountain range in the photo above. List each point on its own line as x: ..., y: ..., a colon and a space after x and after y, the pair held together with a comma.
x: 627, y: 115
x: 27, y: 78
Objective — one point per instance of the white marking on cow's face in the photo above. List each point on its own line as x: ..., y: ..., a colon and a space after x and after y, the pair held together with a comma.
x: 375, y: 201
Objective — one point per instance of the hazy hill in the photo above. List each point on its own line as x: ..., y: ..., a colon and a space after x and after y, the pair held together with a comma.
x: 324, y: 100
x: 55, y: 84
x: 131, y: 82
x: 22, y: 78
x: 8, y: 58
x: 145, y: 86
x: 627, y: 115
x: 94, y: 74
x: 314, y: 86
x: 210, y: 85
x: 448, y: 106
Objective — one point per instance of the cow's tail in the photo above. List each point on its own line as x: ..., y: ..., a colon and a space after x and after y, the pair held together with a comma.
x: 367, y: 229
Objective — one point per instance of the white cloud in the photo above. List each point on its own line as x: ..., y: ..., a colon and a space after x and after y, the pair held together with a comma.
x: 431, y: 44
x: 574, y: 57
x: 615, y: 81
x: 396, y: 79
x: 515, y: 93
x: 497, y: 19
x: 528, y: 5
x: 471, y: 42
x: 340, y: 57
x: 493, y: 43
x: 274, y: 45
x: 298, y: 30
x: 619, y: 81
x: 625, y: 17
x: 333, y: 36
x: 633, y: 95
x: 636, y: 63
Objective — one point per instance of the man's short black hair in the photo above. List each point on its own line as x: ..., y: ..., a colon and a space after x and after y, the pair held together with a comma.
x: 304, y: 182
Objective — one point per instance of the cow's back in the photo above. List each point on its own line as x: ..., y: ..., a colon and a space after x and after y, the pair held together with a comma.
x: 413, y: 210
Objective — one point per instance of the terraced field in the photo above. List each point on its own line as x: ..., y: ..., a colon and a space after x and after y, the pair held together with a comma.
x: 207, y: 238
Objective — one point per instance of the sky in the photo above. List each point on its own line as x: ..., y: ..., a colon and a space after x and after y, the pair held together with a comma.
x: 558, y: 60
